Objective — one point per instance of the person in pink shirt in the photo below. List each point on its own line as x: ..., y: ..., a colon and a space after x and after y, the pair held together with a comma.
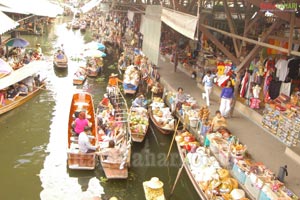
x: 80, y: 122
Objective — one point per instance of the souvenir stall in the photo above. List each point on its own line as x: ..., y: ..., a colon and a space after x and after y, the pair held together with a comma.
x: 282, y: 119
x: 255, y: 178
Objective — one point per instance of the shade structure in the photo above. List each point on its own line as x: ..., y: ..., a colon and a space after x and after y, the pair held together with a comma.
x: 5, y: 68
x: 17, y: 42
x: 95, y: 45
x: 6, y: 23
x: 94, y: 53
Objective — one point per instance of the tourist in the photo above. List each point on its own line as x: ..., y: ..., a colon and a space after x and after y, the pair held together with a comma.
x: 22, y: 89
x: 208, y: 82
x: 104, y: 103
x: 217, y: 122
x: 11, y: 92
x: 84, y: 143
x: 39, y: 49
x: 2, y: 97
x: 226, y: 99
x: 180, y: 98
x: 80, y: 122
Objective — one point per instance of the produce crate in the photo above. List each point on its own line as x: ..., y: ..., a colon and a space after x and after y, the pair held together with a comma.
x: 239, y: 174
x: 253, y: 184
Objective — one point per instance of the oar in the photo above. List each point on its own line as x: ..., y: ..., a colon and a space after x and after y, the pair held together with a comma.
x: 176, y: 180
x: 173, y: 139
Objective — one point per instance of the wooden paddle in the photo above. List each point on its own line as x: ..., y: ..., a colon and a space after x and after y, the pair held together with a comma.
x: 173, y: 139
x: 176, y: 180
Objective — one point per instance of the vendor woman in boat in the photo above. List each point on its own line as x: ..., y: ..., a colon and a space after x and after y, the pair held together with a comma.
x: 139, y: 101
x: 180, y: 98
x: 104, y: 103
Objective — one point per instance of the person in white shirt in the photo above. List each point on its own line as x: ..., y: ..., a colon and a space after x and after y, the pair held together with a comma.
x: 84, y: 142
x: 208, y: 82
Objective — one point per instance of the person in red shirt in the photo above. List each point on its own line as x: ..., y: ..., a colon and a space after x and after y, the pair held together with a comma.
x: 104, y: 103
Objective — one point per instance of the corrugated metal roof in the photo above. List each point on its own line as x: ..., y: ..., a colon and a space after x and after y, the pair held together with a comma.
x: 6, y: 23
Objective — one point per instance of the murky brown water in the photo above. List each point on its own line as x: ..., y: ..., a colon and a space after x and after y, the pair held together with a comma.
x: 33, y: 140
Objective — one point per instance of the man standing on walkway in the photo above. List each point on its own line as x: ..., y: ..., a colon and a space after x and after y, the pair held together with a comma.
x: 208, y: 81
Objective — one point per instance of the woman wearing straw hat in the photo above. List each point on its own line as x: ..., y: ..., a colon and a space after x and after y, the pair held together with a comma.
x: 154, y: 189
x: 154, y: 183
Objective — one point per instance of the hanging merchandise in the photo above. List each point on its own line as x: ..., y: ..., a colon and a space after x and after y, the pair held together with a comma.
x: 281, y: 68
x: 220, y: 68
x: 244, y: 84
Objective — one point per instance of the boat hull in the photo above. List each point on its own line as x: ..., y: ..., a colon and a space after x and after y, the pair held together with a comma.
x: 77, y: 160
x: 157, y: 125
x: 20, y: 100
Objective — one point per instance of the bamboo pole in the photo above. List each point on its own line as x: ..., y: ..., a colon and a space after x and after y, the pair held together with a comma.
x: 174, y: 135
x: 177, y: 177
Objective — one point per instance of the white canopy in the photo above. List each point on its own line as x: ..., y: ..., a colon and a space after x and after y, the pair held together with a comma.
x: 36, y: 7
x: 22, y: 73
x: 183, y: 23
x: 6, y: 23
x: 90, y: 5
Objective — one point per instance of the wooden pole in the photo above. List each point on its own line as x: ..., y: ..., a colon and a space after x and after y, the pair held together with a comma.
x: 177, y: 177
x: 174, y: 135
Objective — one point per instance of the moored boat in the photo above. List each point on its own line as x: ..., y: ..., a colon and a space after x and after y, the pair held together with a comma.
x: 77, y: 160
x: 29, y: 74
x: 79, y: 76
x: 161, y: 116
x: 115, y: 150
x: 131, y: 80
x: 138, y: 123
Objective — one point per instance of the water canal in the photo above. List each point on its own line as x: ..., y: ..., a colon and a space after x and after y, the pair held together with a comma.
x: 34, y: 141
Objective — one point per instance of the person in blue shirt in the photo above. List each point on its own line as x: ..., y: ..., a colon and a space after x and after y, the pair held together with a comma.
x: 226, y: 99
x: 139, y: 101
x: 60, y: 55
x: 208, y: 81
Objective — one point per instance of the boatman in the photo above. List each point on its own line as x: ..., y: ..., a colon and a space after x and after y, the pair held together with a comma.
x: 39, y: 49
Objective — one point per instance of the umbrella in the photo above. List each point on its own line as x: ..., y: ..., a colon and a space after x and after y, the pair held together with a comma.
x: 95, y: 45
x: 5, y: 68
x: 17, y: 42
x: 94, y: 53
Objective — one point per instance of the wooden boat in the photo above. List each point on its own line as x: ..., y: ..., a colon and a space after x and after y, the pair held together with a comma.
x: 60, y: 63
x: 159, y: 124
x: 117, y: 167
x: 29, y: 70
x: 138, y: 123
x: 81, y: 101
x: 79, y: 76
x: 131, y: 80
x: 182, y: 154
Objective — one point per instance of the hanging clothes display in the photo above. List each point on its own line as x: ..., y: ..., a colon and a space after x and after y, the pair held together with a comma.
x: 281, y: 69
x: 244, y: 84
x: 285, y: 88
x: 274, y: 89
x: 294, y: 68
x: 266, y: 86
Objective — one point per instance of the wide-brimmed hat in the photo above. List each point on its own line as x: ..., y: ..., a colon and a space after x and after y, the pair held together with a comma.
x: 154, y: 183
x: 113, y: 75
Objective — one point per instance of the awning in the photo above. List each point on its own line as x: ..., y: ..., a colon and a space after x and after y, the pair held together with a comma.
x: 22, y: 73
x: 90, y: 5
x: 40, y: 8
x: 183, y: 23
x: 6, y: 23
